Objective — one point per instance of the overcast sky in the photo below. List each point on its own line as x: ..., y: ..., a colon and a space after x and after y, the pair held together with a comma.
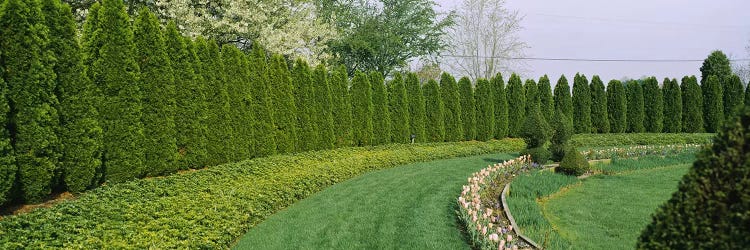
x: 627, y: 29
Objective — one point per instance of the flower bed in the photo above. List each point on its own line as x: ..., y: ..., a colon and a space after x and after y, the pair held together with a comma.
x: 638, y: 151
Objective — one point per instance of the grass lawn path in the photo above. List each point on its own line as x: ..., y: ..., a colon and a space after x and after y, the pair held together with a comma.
x: 407, y: 207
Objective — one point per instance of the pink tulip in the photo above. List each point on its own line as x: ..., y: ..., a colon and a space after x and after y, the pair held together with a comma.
x: 501, y: 246
x: 484, y: 230
x: 509, y: 238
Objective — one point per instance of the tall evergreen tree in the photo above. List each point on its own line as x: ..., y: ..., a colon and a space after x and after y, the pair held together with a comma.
x: 485, y: 108
x: 323, y: 104
x: 563, y: 100
x: 617, y: 104
x: 516, y: 106
x: 91, y: 42
x: 304, y: 94
x: 399, y: 110
x: 532, y: 96
x: 747, y: 95
x: 116, y: 72
x: 468, y: 109
x: 734, y: 95
x: 342, y: 109
x: 653, y: 106
x: 264, y: 141
x: 500, y: 106
x: 218, y: 118
x: 435, y: 124
x: 692, y: 105
x: 672, y: 106
x: 417, y: 108
x: 635, y: 107
x: 362, y: 109
x: 545, y: 98
x: 80, y: 133
x: 381, y: 120
x: 713, y: 108
x: 716, y: 64
x: 581, y: 105
x: 198, y: 95
x: 8, y: 166
x: 599, y: 115
x: 452, y: 108
x: 157, y: 83
x: 284, y: 105
x: 235, y: 82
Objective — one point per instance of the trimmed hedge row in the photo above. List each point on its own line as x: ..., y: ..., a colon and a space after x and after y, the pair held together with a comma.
x: 608, y: 140
x: 210, y: 208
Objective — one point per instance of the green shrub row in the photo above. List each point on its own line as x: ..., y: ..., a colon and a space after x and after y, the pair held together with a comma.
x: 609, y: 140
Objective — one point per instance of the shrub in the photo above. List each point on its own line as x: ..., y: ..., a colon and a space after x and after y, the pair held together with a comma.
x: 599, y: 116
x: 532, y: 96
x: 500, y: 106
x: 545, y: 98
x: 581, y: 105
x: 653, y: 106
x: 435, y: 123
x: 617, y: 107
x: 217, y: 104
x: 308, y: 132
x: 468, y: 109
x: 561, y: 133
x: 485, y: 110
x: 342, y: 109
x: 563, y: 100
x: 516, y: 105
x: 399, y: 108
x: 381, y: 119
x: 263, y: 125
x: 573, y: 163
x: 733, y: 94
x: 535, y: 131
x: 284, y: 107
x: 415, y: 98
x: 713, y: 107
x: 454, y: 130
x: 361, y: 97
x: 672, y: 106
x: 711, y: 208
x: 635, y: 114
x: 539, y: 155
x: 692, y: 105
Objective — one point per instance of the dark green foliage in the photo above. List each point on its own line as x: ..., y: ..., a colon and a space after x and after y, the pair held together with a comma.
x: 485, y: 110
x: 516, y: 106
x: 653, y: 106
x: 454, y: 130
x: 323, y: 107
x: 399, y: 110
x: 198, y: 97
x: 381, y: 121
x: 747, y: 95
x: 535, y: 131
x: 362, y: 109
x: 711, y: 208
x: 734, y: 95
x: 716, y: 64
x: 79, y: 121
x: 599, y: 114
x: 573, y: 163
x: 435, y: 122
x: 264, y: 141
x: 417, y: 108
x: 235, y: 71
x: 218, y: 117
x: 342, y: 109
x: 308, y: 132
x: 563, y: 101
x: 581, y: 105
x: 532, y: 97
x: 468, y: 109
x: 692, y: 105
x: 284, y: 105
x: 617, y: 104
x: 157, y: 84
x: 91, y: 41
x: 635, y: 114
x: 672, y: 106
x: 8, y: 167
x: 539, y: 155
x: 713, y: 108
x: 500, y: 106
x: 545, y: 98
x: 562, y: 130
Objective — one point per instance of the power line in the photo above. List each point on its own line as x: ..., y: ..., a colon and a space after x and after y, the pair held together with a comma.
x: 585, y: 59
x: 633, y: 21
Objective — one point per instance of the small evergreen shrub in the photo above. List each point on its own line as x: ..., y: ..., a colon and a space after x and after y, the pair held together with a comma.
x: 539, y: 155
x: 573, y: 163
x: 561, y: 133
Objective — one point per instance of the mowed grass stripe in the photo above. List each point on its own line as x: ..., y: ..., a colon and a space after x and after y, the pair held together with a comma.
x: 407, y: 207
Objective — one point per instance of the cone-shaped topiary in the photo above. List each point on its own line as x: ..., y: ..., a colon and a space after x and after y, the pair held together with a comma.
x: 562, y: 130
x: 264, y: 141
x: 283, y: 103
x: 635, y: 107
x: 545, y: 98
x: 692, y: 105
x: 381, y: 120
x: 500, y: 106
x: 342, y: 108
x: 573, y: 163
x: 468, y: 109
x: 535, y: 131
x: 672, y: 106
x: 653, y: 106
x: 399, y: 110
x: 218, y: 118
x: 532, y: 96
x: 734, y: 95
x: 711, y: 208
x: 563, y: 101
x: 308, y: 132
x: 599, y: 116
x: 435, y: 122
x: 485, y: 110
x: 417, y: 108
x: 452, y: 108
x: 581, y: 105
x: 617, y: 107
x: 323, y: 107
x: 713, y: 106
x: 516, y: 105
x: 362, y: 108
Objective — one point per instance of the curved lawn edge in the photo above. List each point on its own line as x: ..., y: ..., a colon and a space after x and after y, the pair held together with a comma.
x: 210, y: 208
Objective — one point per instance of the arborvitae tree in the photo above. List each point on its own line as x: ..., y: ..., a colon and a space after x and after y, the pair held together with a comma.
x: 8, y: 167
x: 709, y: 210
x: 516, y: 105
x: 734, y: 95
x: 581, y: 105
x: 435, y: 124
x: 91, y: 42
x: 79, y: 121
x: 716, y: 64
x: 500, y: 106
x: 535, y: 131
x: 485, y: 103
x: 713, y: 108
x: 468, y: 109
x: 381, y: 120
x: 362, y: 109
x: 115, y: 72
x: 532, y: 97
x: 545, y: 98
x: 635, y: 107
x: 417, y: 108
x: 323, y: 105
x: 452, y: 108
x: 653, y: 106
x: 264, y: 142
x: 157, y: 83
x: 692, y: 105
x: 399, y: 110
x: 304, y: 94
x: 672, y: 106
x: 218, y: 118
x: 236, y: 85
x: 284, y: 105
x: 599, y: 115
x: 562, y: 130
x: 200, y: 105
x: 342, y: 108
x: 747, y: 95
x: 563, y: 101
x: 617, y: 104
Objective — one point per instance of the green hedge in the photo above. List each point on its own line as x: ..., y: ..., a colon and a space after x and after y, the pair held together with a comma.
x: 607, y: 140
x: 208, y: 209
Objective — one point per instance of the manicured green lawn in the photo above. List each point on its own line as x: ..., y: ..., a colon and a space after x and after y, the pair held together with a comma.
x: 609, y: 211
x: 407, y: 207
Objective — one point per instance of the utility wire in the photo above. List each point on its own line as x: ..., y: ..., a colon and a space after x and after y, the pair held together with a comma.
x: 585, y: 59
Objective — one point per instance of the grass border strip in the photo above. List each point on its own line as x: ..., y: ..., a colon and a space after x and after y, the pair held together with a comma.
x: 513, y: 224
